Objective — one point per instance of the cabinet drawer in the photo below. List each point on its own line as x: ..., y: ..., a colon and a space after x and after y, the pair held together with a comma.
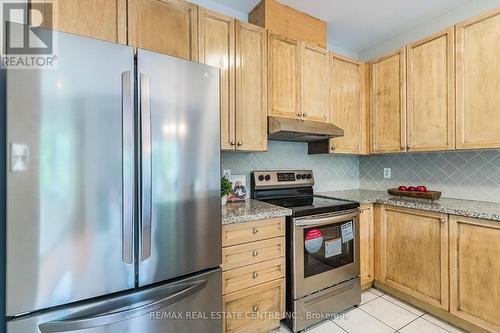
x: 252, y: 275
x: 233, y: 234
x: 252, y: 253
x: 257, y: 309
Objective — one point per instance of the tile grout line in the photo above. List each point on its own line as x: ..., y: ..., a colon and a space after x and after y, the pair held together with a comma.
x: 411, y: 321
x: 438, y: 325
x: 378, y: 319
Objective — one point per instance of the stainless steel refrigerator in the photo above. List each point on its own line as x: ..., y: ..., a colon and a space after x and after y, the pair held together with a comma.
x: 113, y: 182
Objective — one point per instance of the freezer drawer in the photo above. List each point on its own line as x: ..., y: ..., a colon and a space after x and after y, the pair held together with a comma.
x: 188, y: 306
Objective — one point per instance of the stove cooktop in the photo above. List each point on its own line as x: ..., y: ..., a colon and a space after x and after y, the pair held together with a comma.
x: 313, y: 205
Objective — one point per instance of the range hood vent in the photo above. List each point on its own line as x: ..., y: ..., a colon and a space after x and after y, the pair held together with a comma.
x: 286, y: 129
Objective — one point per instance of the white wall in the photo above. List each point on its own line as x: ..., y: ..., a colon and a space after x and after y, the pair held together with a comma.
x: 473, y: 8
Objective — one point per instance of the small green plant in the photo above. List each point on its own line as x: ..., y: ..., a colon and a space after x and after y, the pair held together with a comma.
x: 225, y: 186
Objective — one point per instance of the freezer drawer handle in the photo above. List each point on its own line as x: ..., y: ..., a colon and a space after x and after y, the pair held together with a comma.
x: 107, y: 315
x: 145, y: 96
x: 128, y: 172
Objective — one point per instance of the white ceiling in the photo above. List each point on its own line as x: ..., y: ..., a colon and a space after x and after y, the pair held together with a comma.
x: 357, y: 25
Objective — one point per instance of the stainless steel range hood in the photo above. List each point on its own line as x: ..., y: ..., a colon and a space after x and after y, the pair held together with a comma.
x: 286, y: 129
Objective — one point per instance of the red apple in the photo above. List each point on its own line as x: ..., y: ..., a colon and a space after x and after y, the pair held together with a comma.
x: 412, y: 188
x: 421, y: 188
x: 403, y: 188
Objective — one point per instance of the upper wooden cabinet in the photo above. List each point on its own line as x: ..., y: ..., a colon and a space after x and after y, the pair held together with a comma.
x: 475, y: 271
x: 164, y: 26
x: 348, y: 108
x: 314, y: 83
x: 412, y: 256
x: 478, y: 82
x: 388, y: 103
x: 216, y: 48
x: 431, y: 93
x: 251, y: 87
x: 283, y: 77
x: 101, y: 19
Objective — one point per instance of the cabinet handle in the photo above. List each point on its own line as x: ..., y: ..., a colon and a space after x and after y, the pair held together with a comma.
x: 255, y: 231
x: 255, y: 253
x: 255, y: 275
x: 240, y: 143
x: 233, y: 143
x: 255, y: 308
x: 443, y: 220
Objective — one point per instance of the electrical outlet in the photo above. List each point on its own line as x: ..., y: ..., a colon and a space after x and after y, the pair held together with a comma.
x: 387, y: 173
x: 227, y: 173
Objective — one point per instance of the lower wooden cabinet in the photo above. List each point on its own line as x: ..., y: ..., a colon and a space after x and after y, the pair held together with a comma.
x: 412, y: 254
x: 366, y: 246
x: 253, y: 276
x: 475, y: 271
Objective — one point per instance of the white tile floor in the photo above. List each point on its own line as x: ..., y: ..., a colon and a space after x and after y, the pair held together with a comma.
x: 381, y: 313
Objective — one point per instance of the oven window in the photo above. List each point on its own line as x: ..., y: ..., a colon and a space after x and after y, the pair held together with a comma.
x: 328, y: 247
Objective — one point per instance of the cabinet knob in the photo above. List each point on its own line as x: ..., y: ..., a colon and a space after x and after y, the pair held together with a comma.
x: 255, y: 308
x: 305, y: 114
x: 443, y: 220
x: 255, y: 253
x: 255, y: 275
x: 233, y: 143
x: 299, y: 114
x: 402, y: 147
x: 408, y: 146
x: 255, y: 231
x: 240, y: 143
x: 332, y: 148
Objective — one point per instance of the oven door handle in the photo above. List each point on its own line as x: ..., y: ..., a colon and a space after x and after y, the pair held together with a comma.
x: 317, y: 222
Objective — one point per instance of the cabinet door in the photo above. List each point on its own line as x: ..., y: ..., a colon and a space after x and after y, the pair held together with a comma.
x: 366, y: 246
x: 251, y: 87
x: 216, y: 48
x: 431, y: 93
x: 164, y: 26
x: 475, y: 271
x: 478, y: 82
x: 100, y: 19
x: 314, y: 77
x: 348, y: 104
x: 283, y: 77
x: 413, y: 253
x: 388, y: 102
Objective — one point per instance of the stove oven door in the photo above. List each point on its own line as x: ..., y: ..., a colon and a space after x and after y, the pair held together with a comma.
x: 325, y: 250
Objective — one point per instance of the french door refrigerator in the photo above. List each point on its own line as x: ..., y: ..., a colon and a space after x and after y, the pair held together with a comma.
x: 113, y: 205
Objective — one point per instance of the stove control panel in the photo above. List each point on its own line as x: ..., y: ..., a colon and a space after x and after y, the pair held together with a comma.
x: 282, y: 179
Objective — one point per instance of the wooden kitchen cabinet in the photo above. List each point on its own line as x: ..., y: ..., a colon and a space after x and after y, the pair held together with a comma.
x: 253, y: 275
x: 431, y: 93
x: 251, y: 87
x: 164, y: 26
x: 216, y: 48
x: 314, y: 84
x: 475, y: 271
x: 412, y: 253
x: 348, y: 105
x: 478, y: 82
x: 100, y: 19
x: 366, y: 246
x: 283, y: 77
x: 388, y: 103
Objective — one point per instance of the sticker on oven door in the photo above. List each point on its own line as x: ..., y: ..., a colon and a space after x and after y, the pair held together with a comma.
x: 313, y: 241
x: 347, y: 233
x: 333, y: 247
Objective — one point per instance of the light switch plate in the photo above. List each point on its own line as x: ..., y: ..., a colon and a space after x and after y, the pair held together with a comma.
x: 387, y: 173
x: 19, y: 157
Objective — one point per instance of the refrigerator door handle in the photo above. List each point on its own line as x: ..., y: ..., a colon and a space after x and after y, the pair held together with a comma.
x: 128, y: 172
x: 107, y: 315
x: 146, y: 187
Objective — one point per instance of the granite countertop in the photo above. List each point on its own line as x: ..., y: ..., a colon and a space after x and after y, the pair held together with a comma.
x: 468, y: 208
x: 251, y: 210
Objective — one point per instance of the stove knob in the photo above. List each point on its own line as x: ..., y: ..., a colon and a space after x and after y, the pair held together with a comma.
x: 304, y: 176
x: 298, y: 177
x: 261, y: 178
x: 309, y: 176
x: 268, y: 178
